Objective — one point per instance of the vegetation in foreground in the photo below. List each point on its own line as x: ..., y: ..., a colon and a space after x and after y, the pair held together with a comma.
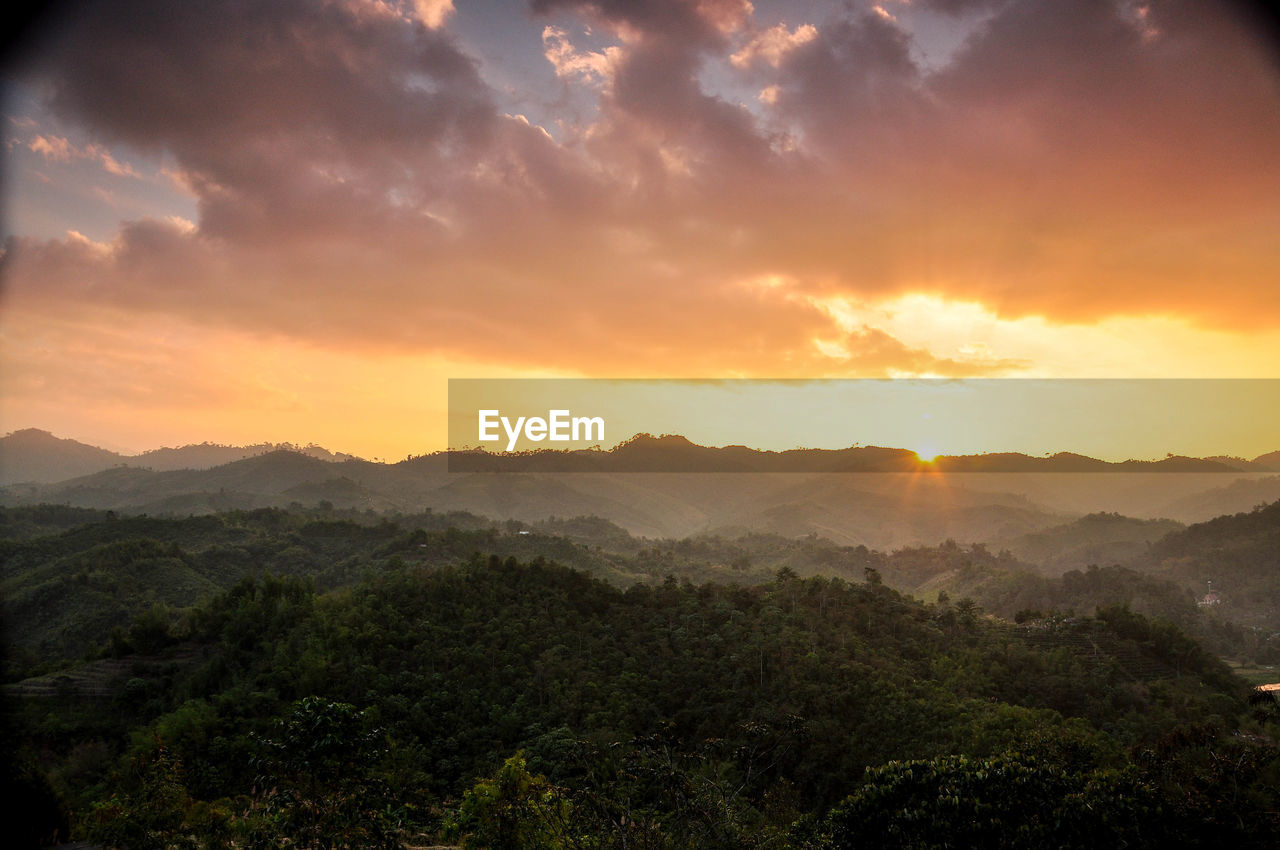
x: 497, y: 703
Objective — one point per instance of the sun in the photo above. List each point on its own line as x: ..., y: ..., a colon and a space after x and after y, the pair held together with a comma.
x: 927, y: 452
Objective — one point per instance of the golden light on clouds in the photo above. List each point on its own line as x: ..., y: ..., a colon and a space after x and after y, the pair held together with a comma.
x: 1159, y: 346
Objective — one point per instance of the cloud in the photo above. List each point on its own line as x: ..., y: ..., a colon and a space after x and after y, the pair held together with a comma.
x: 433, y: 13
x: 54, y: 148
x: 569, y: 63
x: 884, y: 13
x: 280, y: 115
x: 871, y: 351
x: 700, y: 22
x: 957, y: 7
x: 773, y: 44
x: 59, y: 149
x: 358, y: 184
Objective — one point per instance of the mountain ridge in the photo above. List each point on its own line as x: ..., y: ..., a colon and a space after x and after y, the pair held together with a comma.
x: 32, y: 455
x: 896, y: 506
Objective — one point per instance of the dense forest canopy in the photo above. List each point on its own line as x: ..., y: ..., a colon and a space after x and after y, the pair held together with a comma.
x: 253, y: 676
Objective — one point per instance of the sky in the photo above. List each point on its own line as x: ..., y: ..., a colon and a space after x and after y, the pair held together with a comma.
x: 238, y: 221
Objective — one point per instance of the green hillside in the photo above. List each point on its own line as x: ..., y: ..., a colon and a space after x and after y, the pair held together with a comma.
x: 716, y: 715
x: 476, y: 689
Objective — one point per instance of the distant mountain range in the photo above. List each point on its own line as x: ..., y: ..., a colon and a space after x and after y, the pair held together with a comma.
x: 36, y: 456
x: 899, y: 507
x: 673, y: 453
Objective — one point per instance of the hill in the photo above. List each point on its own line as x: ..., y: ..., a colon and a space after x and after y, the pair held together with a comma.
x: 463, y: 699
x: 38, y: 456
x: 1271, y: 461
x: 1239, y: 554
x: 450, y: 657
x: 674, y: 453
x: 206, y: 455
x: 102, y: 569
x: 1229, y: 497
x: 1099, y: 538
x: 880, y: 509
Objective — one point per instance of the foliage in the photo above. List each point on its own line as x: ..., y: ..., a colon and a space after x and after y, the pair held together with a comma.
x: 513, y: 810
x: 1009, y: 801
x: 154, y: 810
x: 317, y: 787
x: 351, y: 680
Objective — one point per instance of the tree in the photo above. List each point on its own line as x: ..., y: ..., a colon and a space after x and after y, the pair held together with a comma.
x: 512, y: 810
x: 154, y: 810
x: 1010, y: 801
x: 316, y: 783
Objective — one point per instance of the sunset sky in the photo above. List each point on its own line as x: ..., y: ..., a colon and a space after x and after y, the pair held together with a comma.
x: 238, y: 221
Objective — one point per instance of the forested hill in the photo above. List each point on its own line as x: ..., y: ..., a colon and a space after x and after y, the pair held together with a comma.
x: 35, y: 456
x: 32, y: 455
x: 1218, y: 579
x: 899, y: 504
x: 70, y: 576
x: 527, y: 705
x: 1238, y: 554
x: 1247, y: 542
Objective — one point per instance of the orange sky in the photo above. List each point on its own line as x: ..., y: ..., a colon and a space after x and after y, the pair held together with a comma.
x: 295, y: 221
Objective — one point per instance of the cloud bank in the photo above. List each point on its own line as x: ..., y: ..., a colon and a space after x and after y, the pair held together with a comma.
x: 359, y: 184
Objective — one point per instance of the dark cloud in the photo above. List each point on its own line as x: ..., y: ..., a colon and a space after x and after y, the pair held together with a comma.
x: 856, y: 91
x: 959, y: 7
x: 283, y: 114
x: 357, y: 182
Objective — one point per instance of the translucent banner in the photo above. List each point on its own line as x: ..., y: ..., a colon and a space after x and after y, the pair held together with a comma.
x: 964, y: 425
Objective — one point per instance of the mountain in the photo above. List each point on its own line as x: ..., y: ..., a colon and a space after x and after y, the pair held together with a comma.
x: 38, y: 456
x: 1241, y: 494
x: 261, y: 481
x: 206, y: 455
x: 673, y: 453
x: 881, y: 510
x: 686, y: 705
x: 1239, y: 554
x: 1243, y: 464
x: 1270, y: 461
x: 1099, y: 538
x: 883, y: 498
